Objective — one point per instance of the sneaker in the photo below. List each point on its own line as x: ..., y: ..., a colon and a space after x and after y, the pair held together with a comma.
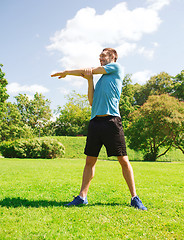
x: 78, y: 201
x: 136, y: 202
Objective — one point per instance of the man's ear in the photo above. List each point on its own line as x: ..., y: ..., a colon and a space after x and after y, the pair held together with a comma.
x: 113, y: 57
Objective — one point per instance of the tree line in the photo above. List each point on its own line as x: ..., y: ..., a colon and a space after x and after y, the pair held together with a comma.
x: 152, y: 114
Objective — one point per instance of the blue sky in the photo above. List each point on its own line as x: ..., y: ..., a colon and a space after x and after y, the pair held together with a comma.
x: 40, y: 37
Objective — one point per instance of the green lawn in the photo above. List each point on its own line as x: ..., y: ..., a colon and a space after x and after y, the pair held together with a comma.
x: 75, y: 148
x: 33, y: 194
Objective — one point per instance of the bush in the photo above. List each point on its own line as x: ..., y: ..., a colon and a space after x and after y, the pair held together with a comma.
x: 32, y: 148
x: 7, y: 149
x: 52, y: 148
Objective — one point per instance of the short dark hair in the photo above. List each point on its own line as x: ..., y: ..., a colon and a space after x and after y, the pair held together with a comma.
x: 111, y: 51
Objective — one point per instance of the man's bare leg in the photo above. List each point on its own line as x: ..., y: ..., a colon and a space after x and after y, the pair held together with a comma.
x: 128, y: 173
x: 88, y: 174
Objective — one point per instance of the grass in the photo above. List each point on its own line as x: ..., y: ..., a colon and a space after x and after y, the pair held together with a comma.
x: 75, y: 148
x: 33, y: 194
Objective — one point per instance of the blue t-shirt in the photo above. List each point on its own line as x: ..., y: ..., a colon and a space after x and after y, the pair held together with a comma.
x: 107, y: 91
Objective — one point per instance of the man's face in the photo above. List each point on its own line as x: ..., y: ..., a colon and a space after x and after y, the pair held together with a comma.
x: 105, y: 58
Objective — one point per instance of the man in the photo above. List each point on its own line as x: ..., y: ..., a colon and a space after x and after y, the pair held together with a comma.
x: 105, y: 127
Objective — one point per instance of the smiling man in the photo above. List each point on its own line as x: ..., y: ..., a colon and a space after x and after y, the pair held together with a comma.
x: 105, y: 127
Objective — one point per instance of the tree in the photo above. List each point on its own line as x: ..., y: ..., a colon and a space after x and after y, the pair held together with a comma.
x: 175, y: 125
x: 35, y: 113
x: 159, y: 122
x: 74, y: 117
x: 3, y: 91
x: 157, y: 85
x: 128, y: 88
x: 11, y: 125
x: 178, y: 86
x: 127, y: 100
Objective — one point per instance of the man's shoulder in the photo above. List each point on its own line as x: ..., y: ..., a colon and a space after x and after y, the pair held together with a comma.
x: 113, y: 67
x: 115, y: 64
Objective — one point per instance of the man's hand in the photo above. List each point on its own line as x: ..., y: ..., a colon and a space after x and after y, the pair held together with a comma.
x: 88, y: 71
x: 59, y: 75
x: 88, y: 74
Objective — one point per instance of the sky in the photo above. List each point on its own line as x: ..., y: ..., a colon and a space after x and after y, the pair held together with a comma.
x: 41, y: 37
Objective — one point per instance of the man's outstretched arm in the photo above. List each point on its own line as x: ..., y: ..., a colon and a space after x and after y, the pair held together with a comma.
x: 77, y: 72
x: 85, y: 73
x: 80, y: 72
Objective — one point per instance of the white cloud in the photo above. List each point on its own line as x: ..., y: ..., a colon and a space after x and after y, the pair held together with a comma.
x: 17, y: 88
x: 84, y: 36
x: 126, y: 48
x: 148, y: 53
x: 142, y: 76
x: 64, y: 91
x: 155, y: 44
x: 157, y: 4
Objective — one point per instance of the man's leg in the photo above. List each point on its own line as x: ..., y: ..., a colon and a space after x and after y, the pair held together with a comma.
x: 88, y: 174
x: 129, y: 177
x: 128, y: 173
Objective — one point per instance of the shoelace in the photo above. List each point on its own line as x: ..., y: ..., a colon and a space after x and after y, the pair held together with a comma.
x: 139, y: 200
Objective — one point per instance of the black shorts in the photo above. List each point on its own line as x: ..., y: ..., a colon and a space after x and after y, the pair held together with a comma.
x: 107, y: 131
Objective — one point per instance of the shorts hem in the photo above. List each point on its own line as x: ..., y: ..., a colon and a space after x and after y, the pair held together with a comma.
x: 91, y: 155
x: 117, y: 155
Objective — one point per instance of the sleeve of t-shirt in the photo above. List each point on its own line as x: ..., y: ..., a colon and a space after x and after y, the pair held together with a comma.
x: 111, y: 67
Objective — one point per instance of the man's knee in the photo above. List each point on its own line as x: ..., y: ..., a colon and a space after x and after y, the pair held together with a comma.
x: 90, y: 161
x: 124, y: 161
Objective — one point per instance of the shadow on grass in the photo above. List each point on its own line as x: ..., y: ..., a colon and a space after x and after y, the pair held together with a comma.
x: 142, y: 161
x: 18, y: 202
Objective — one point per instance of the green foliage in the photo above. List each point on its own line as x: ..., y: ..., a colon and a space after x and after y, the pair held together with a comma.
x: 178, y: 86
x: 11, y: 125
x: 174, y: 124
x: 74, y: 117
x: 154, y: 124
x: 48, y: 129
x: 32, y: 148
x: 3, y: 97
x: 125, y: 108
x: 126, y: 104
x: 7, y: 149
x: 36, y: 113
x: 157, y: 85
x: 51, y: 148
x: 128, y: 89
x: 3, y: 91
